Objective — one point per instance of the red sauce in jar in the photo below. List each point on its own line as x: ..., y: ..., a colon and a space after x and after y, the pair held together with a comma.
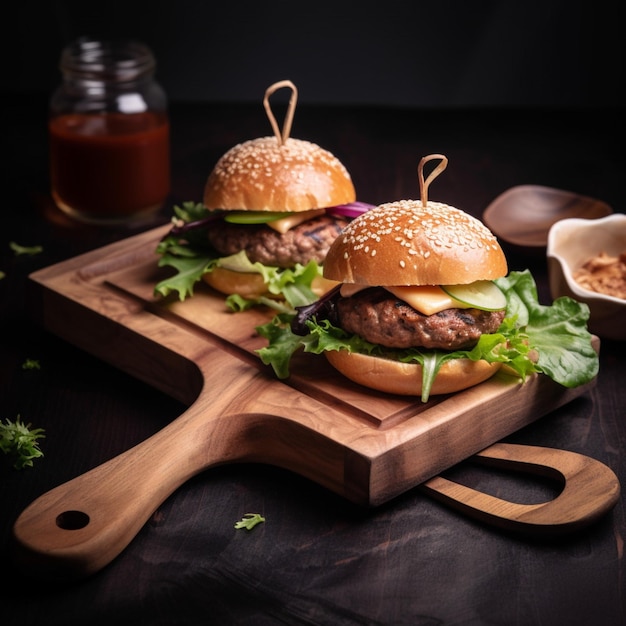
x: 109, y: 166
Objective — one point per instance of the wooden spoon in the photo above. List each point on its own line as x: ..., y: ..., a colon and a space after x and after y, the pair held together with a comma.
x: 523, y: 215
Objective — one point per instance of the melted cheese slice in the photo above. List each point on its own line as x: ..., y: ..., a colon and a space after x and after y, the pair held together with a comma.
x: 293, y: 219
x: 427, y: 299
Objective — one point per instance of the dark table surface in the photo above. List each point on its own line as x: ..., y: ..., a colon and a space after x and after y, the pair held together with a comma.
x: 317, y: 559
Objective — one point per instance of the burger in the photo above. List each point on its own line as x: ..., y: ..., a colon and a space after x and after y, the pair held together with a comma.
x: 423, y: 306
x: 277, y: 201
x: 416, y: 277
x: 272, y: 206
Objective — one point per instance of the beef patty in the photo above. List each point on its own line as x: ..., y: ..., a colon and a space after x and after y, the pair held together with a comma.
x: 306, y: 242
x: 379, y: 317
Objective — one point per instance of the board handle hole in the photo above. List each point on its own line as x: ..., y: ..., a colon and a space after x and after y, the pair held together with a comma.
x: 72, y: 520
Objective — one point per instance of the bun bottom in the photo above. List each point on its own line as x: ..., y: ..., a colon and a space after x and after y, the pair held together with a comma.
x: 252, y: 285
x: 229, y: 282
x: 406, y: 378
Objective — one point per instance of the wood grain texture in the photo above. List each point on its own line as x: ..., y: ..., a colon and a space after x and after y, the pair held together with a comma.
x: 589, y: 490
x: 367, y: 447
x: 523, y: 215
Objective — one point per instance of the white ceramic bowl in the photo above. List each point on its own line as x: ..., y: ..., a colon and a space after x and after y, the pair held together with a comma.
x: 570, y: 243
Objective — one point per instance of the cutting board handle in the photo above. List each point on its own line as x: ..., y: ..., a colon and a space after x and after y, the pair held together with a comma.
x: 590, y: 490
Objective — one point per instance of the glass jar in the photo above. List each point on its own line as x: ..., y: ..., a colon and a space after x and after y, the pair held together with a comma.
x: 109, y: 133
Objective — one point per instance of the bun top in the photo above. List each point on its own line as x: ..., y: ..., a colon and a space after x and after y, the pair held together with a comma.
x: 407, y: 243
x: 267, y: 175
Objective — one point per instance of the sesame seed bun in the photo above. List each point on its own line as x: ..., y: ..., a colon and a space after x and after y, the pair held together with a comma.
x: 405, y: 243
x: 406, y: 378
x: 266, y: 175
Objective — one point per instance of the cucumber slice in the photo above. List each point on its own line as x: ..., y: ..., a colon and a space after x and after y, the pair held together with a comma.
x: 254, y: 217
x: 481, y: 294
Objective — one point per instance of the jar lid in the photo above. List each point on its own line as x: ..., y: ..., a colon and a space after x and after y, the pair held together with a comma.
x: 115, y: 60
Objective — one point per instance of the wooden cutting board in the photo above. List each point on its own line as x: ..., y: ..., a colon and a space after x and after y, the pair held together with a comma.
x: 364, y: 445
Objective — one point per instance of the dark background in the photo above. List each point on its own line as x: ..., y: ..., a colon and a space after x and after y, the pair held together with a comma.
x: 449, y: 53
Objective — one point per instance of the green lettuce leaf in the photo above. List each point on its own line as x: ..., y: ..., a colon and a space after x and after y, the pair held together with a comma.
x: 558, y: 332
x: 552, y: 340
x: 189, y: 270
x: 192, y: 257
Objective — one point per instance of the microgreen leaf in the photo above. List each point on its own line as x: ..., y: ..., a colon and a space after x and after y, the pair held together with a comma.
x: 249, y: 521
x: 30, y: 250
x: 31, y: 364
x: 19, y: 441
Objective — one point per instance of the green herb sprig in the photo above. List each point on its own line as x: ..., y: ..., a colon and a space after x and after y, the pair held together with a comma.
x: 249, y: 521
x: 29, y: 250
x: 19, y: 441
x: 31, y: 364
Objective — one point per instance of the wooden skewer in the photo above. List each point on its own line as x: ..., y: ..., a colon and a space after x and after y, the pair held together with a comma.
x: 282, y: 137
x: 420, y: 173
